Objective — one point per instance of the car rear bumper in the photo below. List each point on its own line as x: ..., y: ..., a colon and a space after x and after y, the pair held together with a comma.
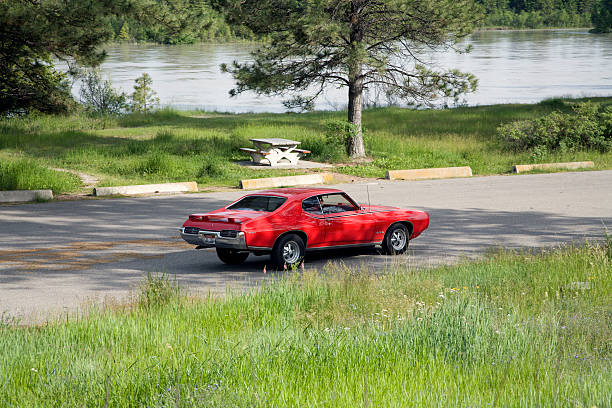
x: 214, y: 239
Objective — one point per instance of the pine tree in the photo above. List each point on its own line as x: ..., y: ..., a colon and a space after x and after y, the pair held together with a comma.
x: 144, y: 98
x: 602, y: 17
x: 357, y: 44
x: 124, y: 33
x: 36, y: 33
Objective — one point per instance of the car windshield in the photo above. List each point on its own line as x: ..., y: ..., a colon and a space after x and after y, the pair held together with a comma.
x: 258, y: 203
x: 336, y: 203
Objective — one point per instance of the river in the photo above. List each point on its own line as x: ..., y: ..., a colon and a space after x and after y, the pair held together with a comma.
x: 511, y: 66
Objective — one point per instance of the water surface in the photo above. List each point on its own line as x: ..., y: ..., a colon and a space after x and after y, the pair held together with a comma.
x: 512, y: 66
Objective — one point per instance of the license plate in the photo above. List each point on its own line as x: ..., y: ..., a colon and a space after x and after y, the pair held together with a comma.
x: 209, y: 239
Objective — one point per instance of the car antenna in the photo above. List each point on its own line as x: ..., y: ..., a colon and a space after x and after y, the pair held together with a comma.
x: 368, y: 190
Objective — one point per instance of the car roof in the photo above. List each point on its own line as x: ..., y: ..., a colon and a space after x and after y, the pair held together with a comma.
x: 298, y: 193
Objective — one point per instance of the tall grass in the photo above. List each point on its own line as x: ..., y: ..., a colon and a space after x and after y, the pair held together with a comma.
x: 512, y: 330
x: 177, y: 146
x: 27, y: 174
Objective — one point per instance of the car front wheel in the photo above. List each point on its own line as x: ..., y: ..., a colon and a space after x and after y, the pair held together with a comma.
x: 396, y: 240
x: 231, y: 256
x: 288, y: 250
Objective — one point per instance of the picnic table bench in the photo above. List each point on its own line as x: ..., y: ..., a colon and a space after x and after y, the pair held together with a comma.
x: 275, y: 151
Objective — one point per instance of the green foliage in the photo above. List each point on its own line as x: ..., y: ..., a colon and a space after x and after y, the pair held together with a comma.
x: 354, y: 44
x: 144, y: 98
x: 588, y: 128
x: 168, y: 145
x: 514, y: 329
x: 27, y: 174
x: 537, y: 13
x: 33, y: 34
x: 602, y: 17
x: 98, y: 95
x: 124, y: 33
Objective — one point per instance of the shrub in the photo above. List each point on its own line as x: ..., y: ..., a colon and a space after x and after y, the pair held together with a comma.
x: 589, y: 127
x: 99, y: 97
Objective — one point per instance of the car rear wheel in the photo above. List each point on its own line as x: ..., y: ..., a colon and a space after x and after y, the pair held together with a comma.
x: 396, y: 240
x: 231, y: 256
x: 288, y: 250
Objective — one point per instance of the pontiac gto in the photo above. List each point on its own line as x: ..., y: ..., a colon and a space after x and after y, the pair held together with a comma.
x: 287, y: 222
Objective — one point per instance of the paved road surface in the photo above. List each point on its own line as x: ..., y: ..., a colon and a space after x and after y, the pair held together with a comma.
x: 55, y: 256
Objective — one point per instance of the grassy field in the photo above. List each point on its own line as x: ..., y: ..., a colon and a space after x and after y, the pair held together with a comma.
x: 183, y: 146
x: 511, y: 330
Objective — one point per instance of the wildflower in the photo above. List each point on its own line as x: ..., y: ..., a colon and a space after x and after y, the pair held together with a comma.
x: 477, y: 287
x: 302, y: 265
x: 264, y: 271
x: 34, y: 370
x: 168, y: 346
x: 284, y: 267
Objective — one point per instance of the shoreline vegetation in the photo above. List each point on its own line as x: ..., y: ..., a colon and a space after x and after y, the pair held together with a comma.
x: 237, y: 40
x: 176, y: 146
x: 536, y: 14
x: 513, y: 329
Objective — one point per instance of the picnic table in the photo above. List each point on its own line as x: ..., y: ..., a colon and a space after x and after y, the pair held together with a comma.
x: 275, y: 151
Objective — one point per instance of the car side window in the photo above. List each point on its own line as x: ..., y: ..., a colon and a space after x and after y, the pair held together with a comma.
x: 336, y: 203
x: 311, y: 205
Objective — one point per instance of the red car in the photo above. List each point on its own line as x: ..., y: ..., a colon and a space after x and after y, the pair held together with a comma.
x: 287, y: 222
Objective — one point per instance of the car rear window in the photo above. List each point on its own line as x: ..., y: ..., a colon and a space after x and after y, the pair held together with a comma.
x: 258, y: 203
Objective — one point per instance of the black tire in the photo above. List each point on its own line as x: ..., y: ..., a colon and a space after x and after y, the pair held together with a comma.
x: 396, y: 240
x: 231, y: 256
x: 288, y: 250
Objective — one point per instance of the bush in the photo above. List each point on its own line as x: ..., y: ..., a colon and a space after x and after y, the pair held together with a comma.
x: 588, y: 128
x: 99, y: 97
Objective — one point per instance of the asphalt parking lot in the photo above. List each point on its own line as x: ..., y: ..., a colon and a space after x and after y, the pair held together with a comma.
x: 57, y: 256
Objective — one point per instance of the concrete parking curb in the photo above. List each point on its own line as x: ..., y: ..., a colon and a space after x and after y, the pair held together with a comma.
x: 18, y: 196
x: 520, y: 168
x: 190, y: 186
x: 424, y: 174
x: 302, y: 180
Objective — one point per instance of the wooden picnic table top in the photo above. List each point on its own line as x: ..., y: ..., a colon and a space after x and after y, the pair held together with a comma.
x: 275, y: 141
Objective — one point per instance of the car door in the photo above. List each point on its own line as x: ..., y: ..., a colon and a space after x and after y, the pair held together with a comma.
x: 313, y: 222
x: 347, y: 223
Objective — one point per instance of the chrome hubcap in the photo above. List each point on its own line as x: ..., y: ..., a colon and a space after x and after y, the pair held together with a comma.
x: 398, y: 239
x: 291, y: 252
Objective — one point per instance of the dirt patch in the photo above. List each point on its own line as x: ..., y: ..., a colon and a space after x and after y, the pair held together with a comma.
x: 87, y: 179
x: 81, y: 255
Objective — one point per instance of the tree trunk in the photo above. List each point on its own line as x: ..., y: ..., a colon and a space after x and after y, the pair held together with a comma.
x: 355, y: 96
x: 355, y: 104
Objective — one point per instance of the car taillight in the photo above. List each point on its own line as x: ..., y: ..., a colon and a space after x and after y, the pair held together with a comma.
x: 197, y: 218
